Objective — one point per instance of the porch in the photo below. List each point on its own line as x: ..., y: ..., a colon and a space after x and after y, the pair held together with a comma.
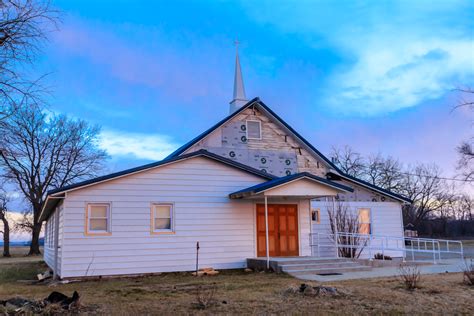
x: 283, y: 213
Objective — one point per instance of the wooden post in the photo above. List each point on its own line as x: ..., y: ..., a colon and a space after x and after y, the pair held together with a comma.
x: 336, y: 241
x: 266, y: 233
x: 197, y: 258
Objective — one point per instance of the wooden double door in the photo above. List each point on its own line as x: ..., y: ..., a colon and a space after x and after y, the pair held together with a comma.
x: 282, y: 230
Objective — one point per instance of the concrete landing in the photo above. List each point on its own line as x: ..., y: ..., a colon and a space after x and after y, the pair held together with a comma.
x: 451, y: 266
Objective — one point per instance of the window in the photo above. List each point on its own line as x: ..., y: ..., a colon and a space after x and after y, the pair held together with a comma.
x: 98, y: 219
x: 316, y: 215
x: 365, y: 226
x: 162, y: 218
x: 254, y: 130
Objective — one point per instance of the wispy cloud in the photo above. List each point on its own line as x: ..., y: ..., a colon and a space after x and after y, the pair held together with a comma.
x: 393, y: 54
x: 392, y: 75
x: 136, y: 145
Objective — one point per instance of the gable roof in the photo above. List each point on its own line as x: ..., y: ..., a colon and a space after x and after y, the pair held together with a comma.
x: 398, y: 197
x: 284, y: 180
x: 55, y: 196
x: 336, y: 172
x: 253, y: 102
x: 199, y: 153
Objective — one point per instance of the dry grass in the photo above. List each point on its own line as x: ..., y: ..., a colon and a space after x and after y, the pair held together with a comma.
x: 238, y: 292
x: 19, y: 254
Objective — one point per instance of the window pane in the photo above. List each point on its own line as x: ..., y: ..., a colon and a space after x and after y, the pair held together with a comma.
x: 98, y: 225
x: 162, y: 223
x: 364, y: 216
x: 162, y: 211
x: 364, y: 229
x: 253, y: 129
x: 98, y: 211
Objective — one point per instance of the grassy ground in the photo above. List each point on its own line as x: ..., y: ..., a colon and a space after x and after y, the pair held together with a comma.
x: 249, y: 293
x: 19, y: 255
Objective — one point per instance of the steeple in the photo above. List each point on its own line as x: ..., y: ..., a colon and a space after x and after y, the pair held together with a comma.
x: 239, y: 91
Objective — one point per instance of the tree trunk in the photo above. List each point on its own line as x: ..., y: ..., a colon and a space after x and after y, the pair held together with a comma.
x: 6, y: 237
x: 35, y: 247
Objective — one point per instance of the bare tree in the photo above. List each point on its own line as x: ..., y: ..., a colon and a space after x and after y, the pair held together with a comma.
x: 6, y: 226
x: 41, y: 152
x: 424, y: 185
x: 466, y: 160
x: 466, y: 148
x: 24, y: 25
x: 344, y: 226
x: 384, y: 172
x: 349, y: 161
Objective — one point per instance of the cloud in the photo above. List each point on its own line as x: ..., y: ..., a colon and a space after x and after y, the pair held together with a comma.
x: 393, y: 55
x: 403, y: 73
x: 137, y: 145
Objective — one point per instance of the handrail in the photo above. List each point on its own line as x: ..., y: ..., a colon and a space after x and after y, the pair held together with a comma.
x: 383, y: 243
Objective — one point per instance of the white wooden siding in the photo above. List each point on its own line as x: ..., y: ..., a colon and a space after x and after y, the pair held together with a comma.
x: 54, y: 223
x: 386, y: 220
x: 199, y: 189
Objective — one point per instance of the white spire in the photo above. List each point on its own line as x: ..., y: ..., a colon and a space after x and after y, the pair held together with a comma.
x: 239, y: 91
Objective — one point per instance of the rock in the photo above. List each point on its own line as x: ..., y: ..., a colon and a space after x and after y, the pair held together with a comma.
x: 248, y: 270
x: 43, y: 276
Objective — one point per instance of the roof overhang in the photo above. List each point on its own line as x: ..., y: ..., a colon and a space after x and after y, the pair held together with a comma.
x: 362, y: 183
x: 301, y: 185
x: 56, y: 195
x: 52, y: 201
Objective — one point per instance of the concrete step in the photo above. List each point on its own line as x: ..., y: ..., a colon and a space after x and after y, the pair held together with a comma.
x: 329, y: 270
x: 311, y: 261
x: 323, y: 265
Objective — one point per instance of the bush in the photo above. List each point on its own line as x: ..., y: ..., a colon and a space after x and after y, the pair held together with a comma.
x: 205, y: 296
x: 468, y: 272
x: 410, y: 276
x: 379, y: 256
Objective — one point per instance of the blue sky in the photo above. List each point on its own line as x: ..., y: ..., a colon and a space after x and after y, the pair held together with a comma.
x: 376, y: 75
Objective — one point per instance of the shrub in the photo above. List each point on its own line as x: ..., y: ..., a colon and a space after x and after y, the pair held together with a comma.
x: 205, y: 296
x: 379, y: 256
x: 468, y: 272
x: 410, y: 276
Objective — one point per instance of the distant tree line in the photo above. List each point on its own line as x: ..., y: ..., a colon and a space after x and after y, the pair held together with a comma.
x: 435, y: 198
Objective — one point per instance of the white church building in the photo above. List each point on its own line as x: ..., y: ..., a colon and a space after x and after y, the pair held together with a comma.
x: 248, y: 187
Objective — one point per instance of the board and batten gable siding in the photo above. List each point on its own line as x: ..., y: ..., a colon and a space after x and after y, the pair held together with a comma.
x: 197, y: 187
x: 386, y: 219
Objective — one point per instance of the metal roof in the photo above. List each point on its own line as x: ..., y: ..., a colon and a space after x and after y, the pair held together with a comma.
x: 202, y: 152
x: 283, y: 180
x: 333, y: 176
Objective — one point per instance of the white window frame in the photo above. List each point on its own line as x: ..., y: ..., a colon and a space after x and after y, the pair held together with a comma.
x: 247, y: 129
x: 318, y: 216
x: 154, y: 231
x: 370, y: 219
x: 106, y: 232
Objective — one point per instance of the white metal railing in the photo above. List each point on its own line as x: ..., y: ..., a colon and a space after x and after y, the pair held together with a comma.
x: 414, y: 248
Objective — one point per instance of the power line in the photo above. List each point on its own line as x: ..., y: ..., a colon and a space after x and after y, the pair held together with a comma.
x: 435, y: 177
